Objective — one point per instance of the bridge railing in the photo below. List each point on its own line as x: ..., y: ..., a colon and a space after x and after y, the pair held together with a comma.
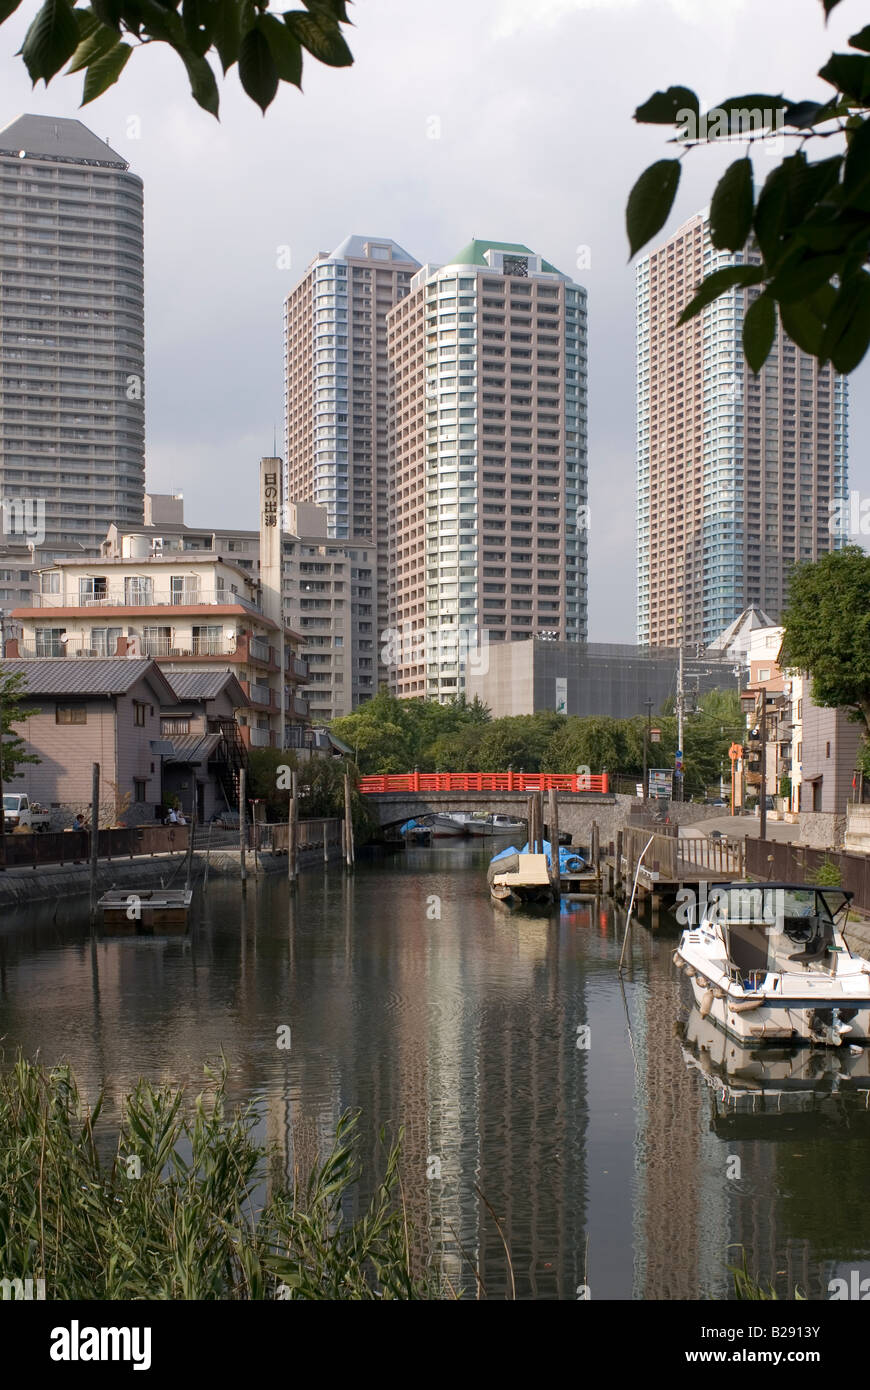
x: 485, y: 782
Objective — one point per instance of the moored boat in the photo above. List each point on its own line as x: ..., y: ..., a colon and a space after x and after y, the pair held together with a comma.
x: 516, y: 877
x: 768, y: 962
x: 134, y: 911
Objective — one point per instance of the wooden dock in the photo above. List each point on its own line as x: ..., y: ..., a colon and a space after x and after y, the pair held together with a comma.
x: 671, y: 862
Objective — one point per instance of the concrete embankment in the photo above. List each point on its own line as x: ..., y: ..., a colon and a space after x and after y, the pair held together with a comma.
x: 19, y: 887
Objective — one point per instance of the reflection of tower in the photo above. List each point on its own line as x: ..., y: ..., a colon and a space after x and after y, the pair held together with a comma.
x: 532, y: 1098
x: 670, y: 1152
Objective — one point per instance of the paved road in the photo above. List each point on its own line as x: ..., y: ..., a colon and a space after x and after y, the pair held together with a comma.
x: 739, y: 827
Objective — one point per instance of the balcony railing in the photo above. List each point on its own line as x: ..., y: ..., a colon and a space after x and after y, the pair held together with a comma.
x: 260, y: 738
x: 153, y: 598
x: 260, y: 694
x: 298, y: 667
x: 259, y: 649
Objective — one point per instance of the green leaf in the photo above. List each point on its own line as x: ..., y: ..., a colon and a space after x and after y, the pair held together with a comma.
x: 51, y: 39
x: 285, y: 49
x: 856, y: 169
x: 731, y: 207
x: 759, y: 331
x: 713, y: 285
x: 650, y: 202
x: 861, y: 39
x: 336, y: 8
x: 804, y: 114
x: 105, y: 70
x: 203, y: 86
x: 847, y: 332
x: 110, y: 13
x: 830, y: 5
x: 755, y: 112
x: 200, y: 18
x: 100, y: 41
x: 849, y: 73
x: 227, y: 32
x: 321, y: 36
x: 8, y: 7
x: 770, y: 212
x: 802, y: 277
x: 803, y: 326
x: 663, y: 107
x: 257, y: 71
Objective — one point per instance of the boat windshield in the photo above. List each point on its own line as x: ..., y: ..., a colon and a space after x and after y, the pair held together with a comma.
x: 775, y: 928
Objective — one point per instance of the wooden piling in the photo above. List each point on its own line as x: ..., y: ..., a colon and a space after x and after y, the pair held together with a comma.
x: 555, y: 869
x: 617, y: 872
x: 243, y: 829
x: 292, y: 847
x: 326, y: 841
x: 95, y: 837
x: 596, y: 853
x: 348, y: 821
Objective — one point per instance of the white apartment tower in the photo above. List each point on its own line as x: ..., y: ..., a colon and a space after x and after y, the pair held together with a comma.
x: 488, y: 489
x: 335, y: 389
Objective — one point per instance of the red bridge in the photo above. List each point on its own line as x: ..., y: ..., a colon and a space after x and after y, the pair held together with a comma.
x: 485, y: 782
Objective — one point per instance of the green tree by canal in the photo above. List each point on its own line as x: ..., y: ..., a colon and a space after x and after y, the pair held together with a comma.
x: 13, y: 749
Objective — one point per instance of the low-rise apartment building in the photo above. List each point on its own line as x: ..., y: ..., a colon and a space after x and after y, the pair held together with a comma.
x: 199, y: 611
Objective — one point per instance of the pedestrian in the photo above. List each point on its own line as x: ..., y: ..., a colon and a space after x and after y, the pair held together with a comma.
x: 79, y: 822
x: 172, y: 818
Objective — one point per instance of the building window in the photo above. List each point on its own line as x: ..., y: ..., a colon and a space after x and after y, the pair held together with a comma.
x: 50, y: 583
x: 139, y: 714
x: 70, y: 714
x: 140, y: 789
x: 180, y: 724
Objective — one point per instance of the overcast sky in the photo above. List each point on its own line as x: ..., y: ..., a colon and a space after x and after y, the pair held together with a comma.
x: 534, y: 100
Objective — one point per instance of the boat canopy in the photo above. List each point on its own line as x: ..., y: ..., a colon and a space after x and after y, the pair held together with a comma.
x: 768, y: 905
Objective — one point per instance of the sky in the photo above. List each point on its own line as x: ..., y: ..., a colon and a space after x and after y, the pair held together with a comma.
x: 530, y: 105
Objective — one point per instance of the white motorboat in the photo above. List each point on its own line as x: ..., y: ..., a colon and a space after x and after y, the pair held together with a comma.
x: 768, y: 962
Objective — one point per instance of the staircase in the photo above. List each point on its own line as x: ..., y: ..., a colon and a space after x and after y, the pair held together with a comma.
x: 231, y: 756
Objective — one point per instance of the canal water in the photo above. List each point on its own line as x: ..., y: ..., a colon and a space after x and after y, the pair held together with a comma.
x: 531, y: 1085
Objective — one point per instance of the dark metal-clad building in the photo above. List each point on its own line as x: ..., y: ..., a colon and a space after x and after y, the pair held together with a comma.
x: 601, y: 678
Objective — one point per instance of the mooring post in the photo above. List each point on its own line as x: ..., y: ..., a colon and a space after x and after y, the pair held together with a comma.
x: 348, y: 818
x: 617, y: 872
x: 291, y: 834
x: 596, y: 853
x: 95, y: 836
x: 325, y: 841
x: 555, y: 862
x: 243, y: 829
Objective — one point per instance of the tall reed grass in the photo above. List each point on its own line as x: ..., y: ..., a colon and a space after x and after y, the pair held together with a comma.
x: 182, y: 1208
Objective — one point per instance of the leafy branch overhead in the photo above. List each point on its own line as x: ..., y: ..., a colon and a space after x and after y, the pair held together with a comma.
x: 99, y: 40
x: 801, y: 242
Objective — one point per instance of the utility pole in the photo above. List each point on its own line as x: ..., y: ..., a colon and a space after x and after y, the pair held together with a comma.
x: 681, y: 700
x: 649, y: 705
x: 762, y: 814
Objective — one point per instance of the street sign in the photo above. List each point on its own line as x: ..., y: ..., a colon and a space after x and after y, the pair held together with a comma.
x: 661, y: 783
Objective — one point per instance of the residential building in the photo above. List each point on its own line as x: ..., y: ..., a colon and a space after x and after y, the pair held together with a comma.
x: 487, y: 463
x: 329, y: 591
x: 738, y: 474
x: 330, y: 598
x: 336, y: 388
x: 198, y: 611
x: 208, y: 751
x: 72, y: 433
x: 830, y: 743
x: 106, y: 712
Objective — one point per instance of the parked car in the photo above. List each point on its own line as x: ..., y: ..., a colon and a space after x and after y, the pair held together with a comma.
x: 20, y: 813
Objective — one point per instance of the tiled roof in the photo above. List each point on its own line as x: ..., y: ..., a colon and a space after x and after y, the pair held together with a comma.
x: 205, y: 685
x: 49, y: 675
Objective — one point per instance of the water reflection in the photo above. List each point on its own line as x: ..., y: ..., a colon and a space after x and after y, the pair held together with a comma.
x: 409, y: 995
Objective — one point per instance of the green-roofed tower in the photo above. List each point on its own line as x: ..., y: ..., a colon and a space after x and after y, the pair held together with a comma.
x: 488, y: 468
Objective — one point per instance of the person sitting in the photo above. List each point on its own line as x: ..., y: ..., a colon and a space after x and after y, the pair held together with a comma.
x: 172, y: 818
x: 180, y: 818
